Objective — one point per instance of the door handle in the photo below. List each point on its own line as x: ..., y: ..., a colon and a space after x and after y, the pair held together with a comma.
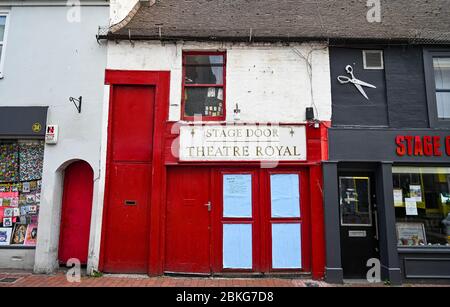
x: 209, y: 206
x: 376, y: 225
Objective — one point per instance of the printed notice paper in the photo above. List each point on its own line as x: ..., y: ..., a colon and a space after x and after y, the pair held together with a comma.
x: 237, y: 195
x: 398, y: 197
x: 411, y: 206
x: 415, y: 192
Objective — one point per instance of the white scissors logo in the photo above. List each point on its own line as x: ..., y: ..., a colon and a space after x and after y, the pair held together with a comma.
x: 358, y: 83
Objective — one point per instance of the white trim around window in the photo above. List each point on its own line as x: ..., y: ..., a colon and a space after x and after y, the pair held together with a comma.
x: 3, y: 42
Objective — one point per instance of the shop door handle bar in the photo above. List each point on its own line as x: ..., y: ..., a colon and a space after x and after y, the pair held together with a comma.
x: 376, y: 225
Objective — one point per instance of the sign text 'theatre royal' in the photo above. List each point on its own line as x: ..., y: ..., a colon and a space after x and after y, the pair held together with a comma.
x: 242, y: 143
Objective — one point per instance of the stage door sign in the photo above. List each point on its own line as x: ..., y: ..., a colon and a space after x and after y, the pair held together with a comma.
x: 242, y: 143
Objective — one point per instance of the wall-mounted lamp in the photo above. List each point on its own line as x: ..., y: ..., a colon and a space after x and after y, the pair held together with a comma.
x: 311, y: 118
x: 77, y: 102
x: 309, y: 114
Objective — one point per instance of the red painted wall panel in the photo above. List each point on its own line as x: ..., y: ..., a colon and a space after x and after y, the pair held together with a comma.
x: 76, y: 212
x: 132, y: 131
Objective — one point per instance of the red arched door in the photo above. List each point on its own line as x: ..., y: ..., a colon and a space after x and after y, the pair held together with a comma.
x: 76, y: 212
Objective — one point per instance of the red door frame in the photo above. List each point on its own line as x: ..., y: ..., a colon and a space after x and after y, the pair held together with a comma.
x: 261, y: 235
x: 218, y: 220
x: 161, y: 81
x: 304, y: 219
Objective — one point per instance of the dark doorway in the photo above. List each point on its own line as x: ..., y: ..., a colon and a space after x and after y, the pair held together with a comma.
x: 358, y: 220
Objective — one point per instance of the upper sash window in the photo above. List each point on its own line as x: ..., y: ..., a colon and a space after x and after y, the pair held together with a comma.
x: 203, y: 85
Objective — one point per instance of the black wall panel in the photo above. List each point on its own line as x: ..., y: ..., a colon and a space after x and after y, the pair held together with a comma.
x: 405, y: 87
x: 350, y: 108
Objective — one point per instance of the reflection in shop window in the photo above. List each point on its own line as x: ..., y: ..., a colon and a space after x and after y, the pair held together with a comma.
x: 20, y: 191
x: 422, y: 205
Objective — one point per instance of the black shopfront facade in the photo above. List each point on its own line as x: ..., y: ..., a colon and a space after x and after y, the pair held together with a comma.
x: 387, y: 181
x: 393, y: 181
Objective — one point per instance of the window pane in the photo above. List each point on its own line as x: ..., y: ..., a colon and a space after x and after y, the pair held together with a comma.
x: 286, y: 246
x: 2, y: 27
x: 285, y: 196
x: 355, y: 201
x: 422, y: 205
x: 237, y: 246
x: 237, y: 195
x: 443, y: 104
x: 204, y: 59
x: 442, y: 73
x: 204, y: 75
x: 206, y: 101
x: 1, y: 48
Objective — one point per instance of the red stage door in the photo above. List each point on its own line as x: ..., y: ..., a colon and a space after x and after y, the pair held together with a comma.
x: 129, y: 180
x: 76, y: 212
x: 188, y: 220
x: 237, y: 220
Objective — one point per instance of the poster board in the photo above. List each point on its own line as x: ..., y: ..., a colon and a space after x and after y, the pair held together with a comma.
x: 411, y: 234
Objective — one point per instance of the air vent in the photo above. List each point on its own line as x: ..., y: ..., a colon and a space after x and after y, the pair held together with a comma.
x: 373, y: 59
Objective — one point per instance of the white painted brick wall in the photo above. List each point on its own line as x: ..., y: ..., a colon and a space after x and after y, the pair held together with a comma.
x: 119, y: 9
x: 270, y: 82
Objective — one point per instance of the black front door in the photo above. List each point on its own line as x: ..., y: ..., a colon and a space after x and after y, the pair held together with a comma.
x: 358, y: 219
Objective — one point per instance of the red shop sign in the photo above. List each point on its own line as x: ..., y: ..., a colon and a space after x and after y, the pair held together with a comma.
x: 422, y: 145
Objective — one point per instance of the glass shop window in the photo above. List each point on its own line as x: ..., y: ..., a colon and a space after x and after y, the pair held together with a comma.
x: 441, y: 67
x: 422, y: 205
x: 20, y: 191
x: 204, y: 85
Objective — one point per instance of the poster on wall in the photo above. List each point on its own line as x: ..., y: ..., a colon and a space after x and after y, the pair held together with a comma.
x: 18, y: 236
x: 5, y: 236
x: 7, y: 222
x: 411, y: 234
x: 31, y: 235
x: 9, y: 166
x: 20, y: 187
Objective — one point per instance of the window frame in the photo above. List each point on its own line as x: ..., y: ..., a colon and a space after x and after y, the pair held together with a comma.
x: 430, y: 83
x: 371, y: 207
x: 184, y: 85
x: 419, y: 168
x: 4, y: 42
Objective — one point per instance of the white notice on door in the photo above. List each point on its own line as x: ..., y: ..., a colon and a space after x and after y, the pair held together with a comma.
x: 411, y: 206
